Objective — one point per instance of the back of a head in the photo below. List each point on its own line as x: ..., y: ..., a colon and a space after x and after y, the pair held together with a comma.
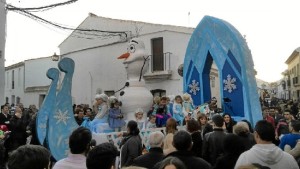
x: 182, y: 140
x: 177, y: 163
x: 79, y: 141
x: 102, y: 156
x: 241, y: 129
x: 133, y: 128
x: 265, y: 130
x: 218, y: 120
x: 193, y: 125
x: 233, y: 144
x: 171, y: 126
x: 29, y: 157
x: 156, y: 139
x: 295, y: 125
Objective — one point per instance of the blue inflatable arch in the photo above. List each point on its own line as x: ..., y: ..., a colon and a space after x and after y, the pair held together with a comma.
x: 217, y: 40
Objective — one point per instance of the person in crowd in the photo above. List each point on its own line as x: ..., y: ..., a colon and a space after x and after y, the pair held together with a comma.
x: 295, y: 152
x: 292, y: 138
x: 31, y: 128
x: 29, y: 156
x: 155, y: 154
x: 249, y: 125
x: 131, y: 145
x: 241, y: 129
x: 102, y: 156
x: 116, y: 118
x: 87, y: 118
x: 18, y: 133
x: 229, y: 122
x: 151, y: 123
x: 193, y: 128
x: 139, y: 113
x: 294, y: 109
x: 172, y: 163
x: 4, y: 116
x: 187, y: 104
x: 3, y: 135
x: 171, y: 129
x: 178, y: 114
x: 265, y: 152
x: 205, y: 127
x: 182, y: 141
x: 233, y: 147
x: 100, y: 109
x: 79, y: 143
x: 79, y: 114
x: 266, y: 116
x: 213, y: 141
x: 282, y: 127
x: 162, y: 113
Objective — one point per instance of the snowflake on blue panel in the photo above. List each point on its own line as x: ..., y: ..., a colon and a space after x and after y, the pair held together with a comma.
x: 62, y: 117
x: 194, y: 87
x: 229, y: 83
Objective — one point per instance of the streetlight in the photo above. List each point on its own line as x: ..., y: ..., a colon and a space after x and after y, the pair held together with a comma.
x: 55, y: 57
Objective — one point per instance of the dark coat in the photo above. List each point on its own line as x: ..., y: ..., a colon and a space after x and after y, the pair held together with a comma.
x: 148, y: 160
x: 227, y: 161
x: 4, y: 119
x: 131, y: 149
x: 197, y: 144
x: 18, y: 133
x: 213, y: 145
x: 189, y: 160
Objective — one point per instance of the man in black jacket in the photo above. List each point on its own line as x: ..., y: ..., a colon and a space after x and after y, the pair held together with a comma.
x: 182, y: 141
x: 155, y: 154
x: 213, y: 141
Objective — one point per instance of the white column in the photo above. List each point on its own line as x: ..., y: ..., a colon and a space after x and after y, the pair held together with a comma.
x: 2, y: 49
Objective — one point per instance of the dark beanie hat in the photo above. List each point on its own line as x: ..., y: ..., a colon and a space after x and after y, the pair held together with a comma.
x: 218, y: 120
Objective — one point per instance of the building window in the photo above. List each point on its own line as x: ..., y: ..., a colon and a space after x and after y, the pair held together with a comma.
x: 109, y: 93
x: 18, y: 100
x: 6, y: 100
x: 13, y: 79
x: 13, y: 99
x: 213, y: 81
x: 158, y: 92
x: 41, y: 99
x: 157, y: 54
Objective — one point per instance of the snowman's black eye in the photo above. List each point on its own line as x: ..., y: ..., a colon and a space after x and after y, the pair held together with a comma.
x: 131, y: 49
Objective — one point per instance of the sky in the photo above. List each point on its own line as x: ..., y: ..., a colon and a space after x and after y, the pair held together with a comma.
x: 271, y: 27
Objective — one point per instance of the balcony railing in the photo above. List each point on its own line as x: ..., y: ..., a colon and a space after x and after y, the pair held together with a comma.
x: 159, y: 67
x: 160, y: 64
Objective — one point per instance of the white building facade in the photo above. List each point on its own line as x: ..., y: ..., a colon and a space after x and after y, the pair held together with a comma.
x: 26, y: 82
x: 2, y: 49
x: 97, y: 68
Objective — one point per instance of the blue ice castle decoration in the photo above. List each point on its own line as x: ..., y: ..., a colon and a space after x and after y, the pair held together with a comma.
x: 55, y: 121
x: 217, y: 40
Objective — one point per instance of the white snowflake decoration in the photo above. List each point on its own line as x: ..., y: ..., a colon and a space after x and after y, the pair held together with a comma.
x: 61, y: 117
x: 194, y: 87
x: 229, y: 83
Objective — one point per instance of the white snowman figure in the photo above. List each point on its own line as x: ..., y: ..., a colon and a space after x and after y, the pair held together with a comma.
x: 136, y: 95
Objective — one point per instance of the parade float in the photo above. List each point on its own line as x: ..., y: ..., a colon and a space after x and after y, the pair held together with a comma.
x: 212, y: 40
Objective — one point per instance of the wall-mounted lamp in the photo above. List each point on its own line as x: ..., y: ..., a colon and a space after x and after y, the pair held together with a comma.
x: 55, y: 57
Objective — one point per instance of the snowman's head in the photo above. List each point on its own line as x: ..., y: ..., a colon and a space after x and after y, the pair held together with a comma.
x: 135, y: 51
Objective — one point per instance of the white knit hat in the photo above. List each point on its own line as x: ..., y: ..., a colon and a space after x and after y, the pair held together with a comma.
x: 102, y: 96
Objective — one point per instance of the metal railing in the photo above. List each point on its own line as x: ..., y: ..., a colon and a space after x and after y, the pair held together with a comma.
x: 166, y: 65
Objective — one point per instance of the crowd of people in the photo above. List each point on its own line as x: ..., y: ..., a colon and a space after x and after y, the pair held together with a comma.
x: 204, y: 140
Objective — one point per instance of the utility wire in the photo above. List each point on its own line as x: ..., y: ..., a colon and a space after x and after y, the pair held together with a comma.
x: 42, y: 8
x: 37, y: 18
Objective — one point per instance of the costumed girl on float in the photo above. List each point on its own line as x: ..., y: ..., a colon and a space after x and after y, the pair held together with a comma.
x: 100, y: 109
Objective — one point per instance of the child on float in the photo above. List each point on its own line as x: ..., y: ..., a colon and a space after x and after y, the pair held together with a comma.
x: 139, y: 113
x: 170, y: 102
x: 162, y: 114
x: 151, y: 123
x: 116, y: 120
x: 178, y: 110
x: 156, y: 101
x: 188, y: 107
